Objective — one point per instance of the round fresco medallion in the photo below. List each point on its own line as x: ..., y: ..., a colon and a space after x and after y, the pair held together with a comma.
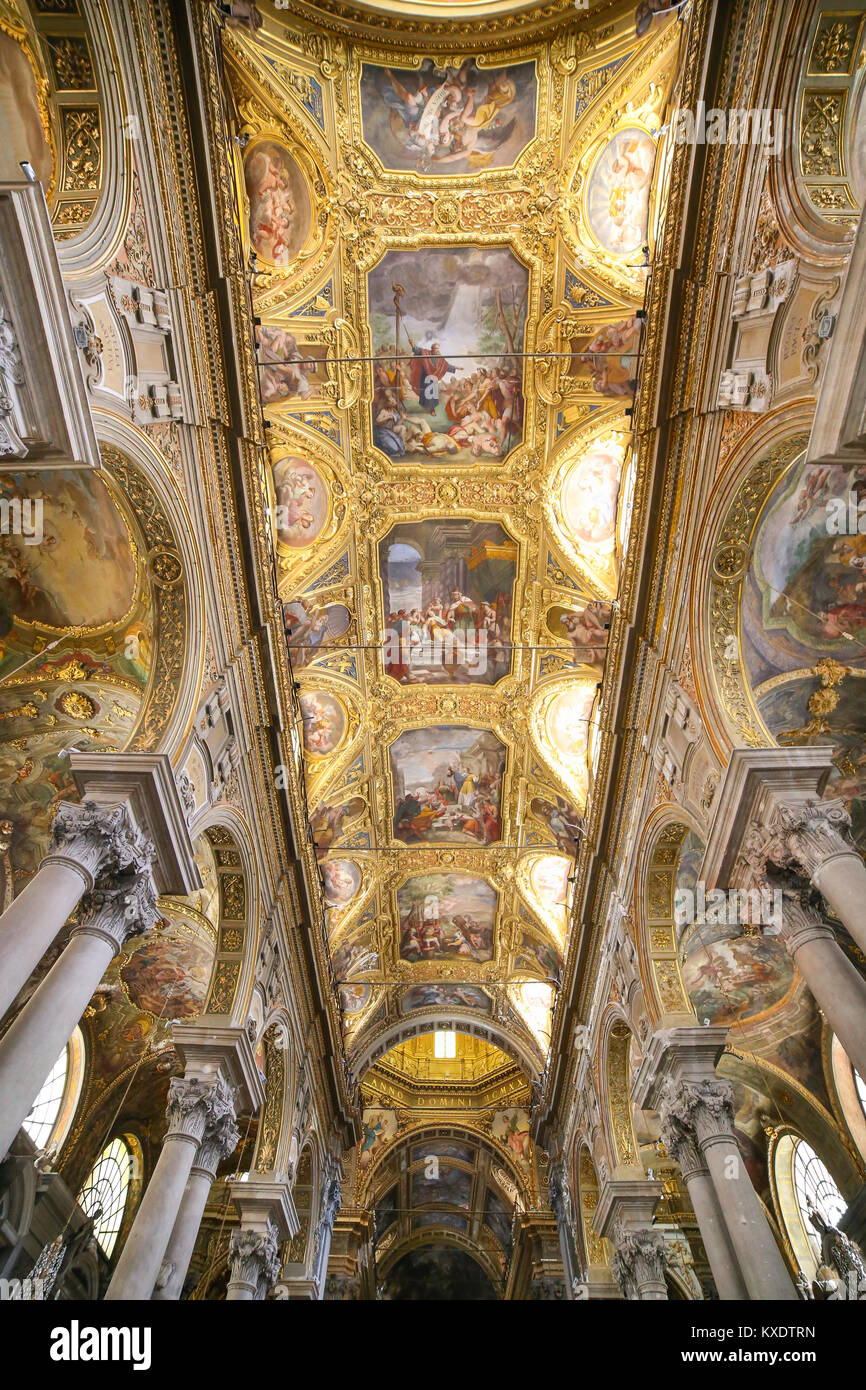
x: 354, y: 997
x: 617, y: 198
x: 303, y: 502
x: 568, y: 721
x: 280, y: 209
x: 342, y: 880
x: 589, y: 496
x: 324, y: 722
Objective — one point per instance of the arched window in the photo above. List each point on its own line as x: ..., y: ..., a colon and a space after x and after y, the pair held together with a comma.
x: 804, y: 1184
x: 850, y: 1093
x: 53, y: 1109
x: 106, y: 1191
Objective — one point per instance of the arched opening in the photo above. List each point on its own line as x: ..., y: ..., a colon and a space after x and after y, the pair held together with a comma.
x: 806, y: 1196
x: 105, y: 1193
x: 437, y: 1273
x: 53, y: 1110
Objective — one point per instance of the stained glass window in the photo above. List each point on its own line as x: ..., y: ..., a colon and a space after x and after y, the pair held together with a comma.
x: 104, y: 1194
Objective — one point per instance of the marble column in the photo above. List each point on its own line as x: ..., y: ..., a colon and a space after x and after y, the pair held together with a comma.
x: 88, y: 841
x: 254, y: 1261
x: 683, y: 1146
x: 193, y: 1106
x: 220, y: 1139
x: 114, y: 911
x: 836, y: 983
x: 267, y: 1218
x: 559, y: 1196
x: 639, y: 1263
x: 624, y: 1215
x: 325, y: 1228
x: 811, y: 836
x: 707, y: 1109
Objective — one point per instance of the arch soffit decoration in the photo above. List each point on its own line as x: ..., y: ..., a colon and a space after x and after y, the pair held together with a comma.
x: 615, y: 1040
x: 821, y: 90
x: 139, y: 471
x: 655, y: 882
x: 379, y: 1177
x: 394, y: 1031
x: 732, y: 516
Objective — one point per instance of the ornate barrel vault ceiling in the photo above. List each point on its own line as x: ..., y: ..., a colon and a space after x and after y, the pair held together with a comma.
x: 450, y: 255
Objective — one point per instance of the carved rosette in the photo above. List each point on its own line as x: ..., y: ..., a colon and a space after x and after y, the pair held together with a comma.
x: 254, y: 1259
x: 221, y: 1134
x: 97, y: 840
x: 639, y: 1260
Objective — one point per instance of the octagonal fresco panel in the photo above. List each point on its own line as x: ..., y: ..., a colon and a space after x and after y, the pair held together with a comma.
x: 446, y: 917
x: 447, y: 784
x: 617, y: 197
x: 447, y: 325
x: 445, y: 120
x: 447, y: 587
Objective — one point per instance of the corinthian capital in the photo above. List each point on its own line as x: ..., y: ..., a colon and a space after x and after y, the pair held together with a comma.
x: 679, y: 1140
x: 194, y: 1105
x: 221, y: 1134
x: 802, y: 917
x: 120, y: 908
x: 639, y: 1259
x: 706, y: 1108
x: 254, y: 1257
x: 810, y: 833
x: 98, y: 840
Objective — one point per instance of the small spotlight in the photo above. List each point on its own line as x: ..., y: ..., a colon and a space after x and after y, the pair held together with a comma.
x: 28, y: 170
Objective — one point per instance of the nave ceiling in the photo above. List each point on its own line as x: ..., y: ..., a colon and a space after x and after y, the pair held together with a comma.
x: 450, y: 321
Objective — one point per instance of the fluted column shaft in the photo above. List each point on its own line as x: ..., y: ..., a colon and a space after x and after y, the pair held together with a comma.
x: 705, y: 1204
x: 191, y: 1106
x: 87, y: 841
x: 219, y: 1140
x: 47, y: 1021
x: 707, y: 1108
